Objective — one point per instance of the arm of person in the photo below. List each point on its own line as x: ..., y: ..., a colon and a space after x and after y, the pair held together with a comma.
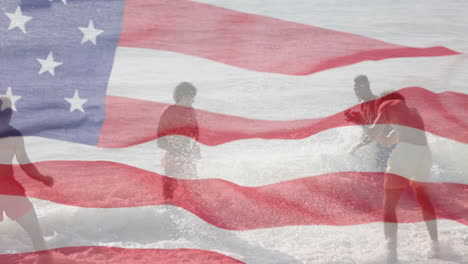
x: 388, y: 139
x: 196, y: 144
x: 164, y: 141
x: 365, y: 140
x: 196, y: 150
x: 27, y: 166
x: 354, y: 117
x: 376, y: 131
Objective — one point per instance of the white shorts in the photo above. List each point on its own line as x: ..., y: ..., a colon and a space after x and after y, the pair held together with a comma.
x: 411, y: 161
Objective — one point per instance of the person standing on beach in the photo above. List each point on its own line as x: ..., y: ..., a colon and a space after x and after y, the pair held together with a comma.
x: 178, y: 133
x: 367, y: 115
x: 13, y: 199
x: 409, y: 165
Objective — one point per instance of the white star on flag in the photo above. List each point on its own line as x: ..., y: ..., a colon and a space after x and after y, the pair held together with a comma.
x: 76, y: 103
x: 48, y: 64
x: 17, y: 20
x: 90, y: 33
x: 13, y: 99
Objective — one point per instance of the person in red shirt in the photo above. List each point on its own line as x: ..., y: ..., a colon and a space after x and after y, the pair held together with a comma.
x: 366, y: 116
x: 13, y: 200
x: 178, y: 133
x: 409, y: 165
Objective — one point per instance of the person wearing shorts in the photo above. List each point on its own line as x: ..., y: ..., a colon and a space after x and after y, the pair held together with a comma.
x: 409, y: 164
x: 411, y: 161
x: 13, y: 199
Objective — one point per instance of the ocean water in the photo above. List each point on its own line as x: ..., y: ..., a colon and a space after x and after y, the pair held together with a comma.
x: 259, y: 162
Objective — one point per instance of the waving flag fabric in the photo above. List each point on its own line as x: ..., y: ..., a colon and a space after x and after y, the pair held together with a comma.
x: 88, y: 81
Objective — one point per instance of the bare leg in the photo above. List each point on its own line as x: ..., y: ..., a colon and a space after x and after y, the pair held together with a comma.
x: 30, y: 224
x: 428, y: 211
x: 169, y: 186
x: 178, y: 168
x: 391, y: 198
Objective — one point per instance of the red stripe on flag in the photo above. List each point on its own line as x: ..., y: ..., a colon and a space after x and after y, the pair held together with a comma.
x: 132, y: 121
x: 98, y: 254
x: 344, y: 198
x: 251, y: 41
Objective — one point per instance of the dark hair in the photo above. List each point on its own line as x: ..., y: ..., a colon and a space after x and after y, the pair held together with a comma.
x: 184, y: 89
x: 6, y: 113
x: 361, y: 78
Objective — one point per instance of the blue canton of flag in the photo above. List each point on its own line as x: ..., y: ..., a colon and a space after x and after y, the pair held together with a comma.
x: 56, y: 59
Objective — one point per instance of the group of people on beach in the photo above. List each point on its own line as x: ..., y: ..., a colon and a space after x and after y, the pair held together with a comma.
x: 402, y: 153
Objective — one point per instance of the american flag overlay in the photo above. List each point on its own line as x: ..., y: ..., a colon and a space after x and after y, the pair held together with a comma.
x: 65, y: 60
x: 177, y: 131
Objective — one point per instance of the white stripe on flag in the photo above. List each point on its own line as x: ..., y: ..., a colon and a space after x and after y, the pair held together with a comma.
x: 152, y: 75
x: 256, y: 162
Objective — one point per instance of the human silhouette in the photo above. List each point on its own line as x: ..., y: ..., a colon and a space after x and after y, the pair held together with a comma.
x: 178, y: 133
x: 13, y: 200
x: 411, y: 159
x: 367, y: 115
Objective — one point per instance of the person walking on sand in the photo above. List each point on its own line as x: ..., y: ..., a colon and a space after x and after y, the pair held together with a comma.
x: 409, y: 165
